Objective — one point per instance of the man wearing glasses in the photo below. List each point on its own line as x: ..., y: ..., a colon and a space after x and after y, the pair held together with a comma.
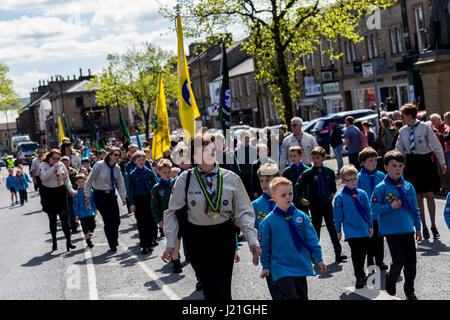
x: 297, y: 138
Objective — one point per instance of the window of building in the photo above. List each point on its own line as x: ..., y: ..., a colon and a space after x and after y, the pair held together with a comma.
x: 332, y: 51
x: 420, y: 28
x: 399, y: 40
x: 393, y: 41
x: 396, y: 41
x: 240, y: 87
x: 321, y: 54
x: 79, y: 102
x: 232, y: 89
x: 312, y: 59
x: 303, y: 58
x: 247, y: 81
x: 348, y: 54
x: 372, y: 48
x: 353, y: 51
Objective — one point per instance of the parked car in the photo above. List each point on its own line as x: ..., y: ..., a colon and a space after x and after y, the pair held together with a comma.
x: 309, y: 125
x: 321, y: 130
x: 25, y: 152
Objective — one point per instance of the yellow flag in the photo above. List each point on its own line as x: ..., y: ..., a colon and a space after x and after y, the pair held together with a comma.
x: 186, y: 101
x: 161, y: 134
x: 60, y: 130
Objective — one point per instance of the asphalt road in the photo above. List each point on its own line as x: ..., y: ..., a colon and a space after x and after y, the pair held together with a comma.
x: 29, y: 270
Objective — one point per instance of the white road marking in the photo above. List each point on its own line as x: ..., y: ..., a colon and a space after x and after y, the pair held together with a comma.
x: 372, y: 294
x: 167, y: 291
x: 92, y: 279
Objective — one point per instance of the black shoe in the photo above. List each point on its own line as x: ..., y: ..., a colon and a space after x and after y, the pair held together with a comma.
x: 390, y: 286
x: 426, y: 233
x: 113, y: 249
x: 341, y: 258
x: 435, y: 233
x: 177, y: 266
x: 383, y: 267
x: 198, y: 286
x: 89, y: 243
x: 70, y: 246
x: 411, y: 296
x: 359, y: 283
x: 144, y: 250
x: 55, y: 246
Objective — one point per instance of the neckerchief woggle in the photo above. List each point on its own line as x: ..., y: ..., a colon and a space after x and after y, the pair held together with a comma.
x: 371, y: 174
x: 216, y: 206
x: 354, y: 194
x: 399, y: 185
x: 300, y: 166
x: 288, y: 216
x: 321, y: 190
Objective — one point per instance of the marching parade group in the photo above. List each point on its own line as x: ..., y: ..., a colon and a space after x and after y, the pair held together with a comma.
x: 202, y: 204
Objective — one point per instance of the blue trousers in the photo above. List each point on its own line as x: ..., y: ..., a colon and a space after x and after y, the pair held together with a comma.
x: 106, y: 203
x: 338, y: 152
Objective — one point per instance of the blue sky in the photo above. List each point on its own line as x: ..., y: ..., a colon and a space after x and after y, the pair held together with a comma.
x: 43, y: 38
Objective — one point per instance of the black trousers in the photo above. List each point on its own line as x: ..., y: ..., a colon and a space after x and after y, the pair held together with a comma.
x: 23, y: 196
x: 403, y: 253
x: 147, y: 228
x: 359, y: 248
x: 106, y: 203
x: 52, y: 217
x: 376, y: 247
x: 39, y: 184
x: 273, y: 288
x: 293, y: 288
x: 325, y: 211
x: 212, y: 249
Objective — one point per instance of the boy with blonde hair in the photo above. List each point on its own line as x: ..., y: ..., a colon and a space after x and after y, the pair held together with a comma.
x: 288, y: 240
x: 352, y: 211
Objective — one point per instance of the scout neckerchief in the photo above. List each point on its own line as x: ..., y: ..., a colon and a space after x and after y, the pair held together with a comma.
x: 20, y: 180
x: 12, y: 177
x: 300, y: 166
x: 399, y: 185
x: 288, y: 216
x: 145, y: 183
x: 269, y: 200
x: 111, y: 172
x: 412, y: 144
x: 168, y: 183
x: 371, y: 174
x: 208, y: 190
x: 180, y: 172
x: 321, y: 184
x: 354, y: 194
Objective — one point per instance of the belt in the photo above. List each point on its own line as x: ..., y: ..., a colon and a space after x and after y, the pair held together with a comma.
x: 104, y: 191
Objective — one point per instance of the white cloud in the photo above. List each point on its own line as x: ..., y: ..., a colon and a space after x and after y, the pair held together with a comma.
x: 28, y: 30
x: 25, y: 81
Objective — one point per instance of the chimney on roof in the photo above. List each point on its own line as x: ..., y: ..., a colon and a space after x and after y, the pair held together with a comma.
x: 51, y: 79
x: 39, y: 83
x: 74, y: 77
x: 89, y: 72
x: 81, y: 72
x: 68, y: 77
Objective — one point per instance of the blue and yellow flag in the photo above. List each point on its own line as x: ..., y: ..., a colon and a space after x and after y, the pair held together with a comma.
x: 161, y: 134
x: 186, y: 101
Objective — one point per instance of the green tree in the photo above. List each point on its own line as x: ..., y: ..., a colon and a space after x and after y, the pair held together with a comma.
x: 134, y: 78
x: 8, y: 96
x: 278, y: 33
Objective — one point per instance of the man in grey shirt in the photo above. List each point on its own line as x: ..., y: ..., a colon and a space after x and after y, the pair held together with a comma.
x: 352, y: 137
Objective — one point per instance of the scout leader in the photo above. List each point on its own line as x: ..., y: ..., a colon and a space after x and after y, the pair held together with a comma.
x: 216, y: 200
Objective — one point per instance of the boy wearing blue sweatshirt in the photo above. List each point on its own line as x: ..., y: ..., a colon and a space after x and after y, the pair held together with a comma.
x: 27, y: 179
x: 84, y: 211
x: 352, y: 210
x: 141, y: 181
x: 11, y: 185
x: 394, y: 201
x: 21, y: 185
x: 263, y: 206
x: 447, y: 211
x: 369, y: 177
x: 288, y: 240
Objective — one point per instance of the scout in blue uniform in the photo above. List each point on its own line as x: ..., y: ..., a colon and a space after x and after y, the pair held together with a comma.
x: 447, y: 211
x: 352, y: 210
x: 84, y: 211
x: 11, y: 185
x: 293, y: 172
x: 394, y: 201
x: 141, y: 181
x: 288, y: 241
x: 263, y: 206
x: 369, y: 177
x: 262, y: 152
x: 316, y: 188
x: 21, y: 185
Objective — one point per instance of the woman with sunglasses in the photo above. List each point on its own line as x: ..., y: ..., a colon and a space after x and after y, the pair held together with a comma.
x: 55, y: 182
x: 216, y: 201
x: 104, y: 178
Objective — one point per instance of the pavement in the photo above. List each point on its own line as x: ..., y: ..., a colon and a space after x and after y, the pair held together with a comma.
x: 29, y: 270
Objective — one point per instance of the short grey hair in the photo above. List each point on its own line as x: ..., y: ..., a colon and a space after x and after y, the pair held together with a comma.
x: 435, y: 116
x: 297, y: 119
